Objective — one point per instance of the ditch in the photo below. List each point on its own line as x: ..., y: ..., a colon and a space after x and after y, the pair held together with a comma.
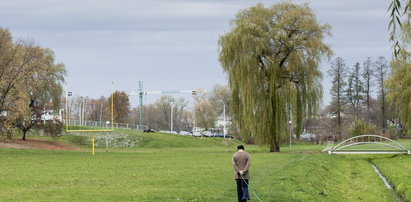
x: 397, y: 197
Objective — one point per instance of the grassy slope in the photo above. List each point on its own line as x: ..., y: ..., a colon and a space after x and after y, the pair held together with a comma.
x: 170, y: 167
x: 161, y: 140
x: 186, y: 174
x: 397, y: 170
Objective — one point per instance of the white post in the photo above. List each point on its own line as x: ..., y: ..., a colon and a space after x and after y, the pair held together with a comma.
x: 194, y: 117
x: 107, y: 123
x: 193, y: 93
x: 171, y: 124
x: 290, y: 132
x: 225, y: 121
x: 84, y: 103
x: 223, y: 116
x: 82, y: 112
x: 80, y: 109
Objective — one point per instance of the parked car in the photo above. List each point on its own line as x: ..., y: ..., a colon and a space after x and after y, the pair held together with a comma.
x: 150, y: 130
x: 207, y: 133
x: 185, y: 133
x: 196, y: 134
x: 169, y: 132
x: 218, y: 135
x: 308, y: 137
x: 222, y: 135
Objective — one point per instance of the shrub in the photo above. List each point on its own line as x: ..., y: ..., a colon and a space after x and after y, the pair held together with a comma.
x: 392, y: 132
x: 362, y: 127
x: 53, y: 129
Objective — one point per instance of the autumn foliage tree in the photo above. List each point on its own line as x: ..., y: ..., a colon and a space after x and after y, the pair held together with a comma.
x: 29, y: 80
x: 121, y: 106
x: 44, y: 90
x: 271, y: 56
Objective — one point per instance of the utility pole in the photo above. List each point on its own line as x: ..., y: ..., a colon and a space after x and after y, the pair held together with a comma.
x: 140, y: 94
x: 194, y: 93
x: 80, y: 109
x: 107, y: 123
x: 291, y: 131
x: 172, y: 109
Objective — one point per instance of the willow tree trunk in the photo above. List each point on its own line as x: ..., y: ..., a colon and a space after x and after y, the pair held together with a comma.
x: 24, y: 134
x: 275, y: 143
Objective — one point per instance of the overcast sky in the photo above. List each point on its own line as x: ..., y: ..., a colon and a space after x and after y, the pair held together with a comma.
x: 171, y: 44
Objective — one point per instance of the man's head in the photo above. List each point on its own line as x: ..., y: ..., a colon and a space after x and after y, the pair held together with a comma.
x: 240, y: 147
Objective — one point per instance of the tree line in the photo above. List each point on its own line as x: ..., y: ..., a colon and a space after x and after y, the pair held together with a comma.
x: 157, y: 115
x: 359, y: 96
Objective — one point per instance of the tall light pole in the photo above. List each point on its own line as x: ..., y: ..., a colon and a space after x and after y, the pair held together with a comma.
x: 291, y: 131
x: 82, y: 111
x: 222, y: 101
x: 194, y: 93
x: 107, y: 123
x: 172, y: 109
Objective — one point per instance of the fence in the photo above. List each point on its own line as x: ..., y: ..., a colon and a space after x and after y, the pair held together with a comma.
x: 104, y: 125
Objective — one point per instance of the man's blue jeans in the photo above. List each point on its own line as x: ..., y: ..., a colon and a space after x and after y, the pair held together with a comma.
x: 242, y: 190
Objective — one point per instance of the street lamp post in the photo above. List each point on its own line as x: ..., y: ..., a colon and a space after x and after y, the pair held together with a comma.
x: 223, y: 116
x: 82, y: 110
x: 171, y: 119
x: 194, y: 93
x: 107, y: 123
x: 291, y: 128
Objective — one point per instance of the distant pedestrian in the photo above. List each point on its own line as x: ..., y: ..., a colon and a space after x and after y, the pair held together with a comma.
x: 241, y: 164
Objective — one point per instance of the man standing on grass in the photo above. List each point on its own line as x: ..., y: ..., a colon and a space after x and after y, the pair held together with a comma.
x: 241, y: 164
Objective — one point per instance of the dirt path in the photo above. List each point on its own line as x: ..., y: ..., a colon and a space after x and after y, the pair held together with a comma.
x: 33, y: 143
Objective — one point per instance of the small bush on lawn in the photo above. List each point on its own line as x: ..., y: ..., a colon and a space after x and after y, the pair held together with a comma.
x: 362, y: 127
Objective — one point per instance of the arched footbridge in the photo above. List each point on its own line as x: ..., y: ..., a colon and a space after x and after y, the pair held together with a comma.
x: 369, y: 144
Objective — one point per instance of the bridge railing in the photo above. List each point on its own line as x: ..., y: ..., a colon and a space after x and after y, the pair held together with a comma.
x: 346, y: 146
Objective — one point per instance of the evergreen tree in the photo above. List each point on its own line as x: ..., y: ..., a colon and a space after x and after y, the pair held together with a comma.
x: 338, y: 72
x: 368, y: 81
x: 356, y: 90
x: 381, y: 74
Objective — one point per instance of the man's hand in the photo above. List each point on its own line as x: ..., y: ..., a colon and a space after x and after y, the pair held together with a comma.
x: 241, y: 172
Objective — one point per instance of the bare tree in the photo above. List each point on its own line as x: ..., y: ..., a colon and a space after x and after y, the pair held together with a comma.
x: 204, y: 110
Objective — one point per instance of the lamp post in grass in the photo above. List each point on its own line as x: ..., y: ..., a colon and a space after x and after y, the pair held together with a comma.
x: 107, y: 123
x: 222, y: 101
x: 291, y: 131
x: 171, y: 119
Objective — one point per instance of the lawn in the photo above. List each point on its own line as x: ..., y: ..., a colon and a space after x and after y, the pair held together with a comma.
x: 191, y: 169
x: 397, y: 170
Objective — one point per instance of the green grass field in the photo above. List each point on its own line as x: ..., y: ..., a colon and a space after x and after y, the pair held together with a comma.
x: 167, y: 167
x: 397, y: 170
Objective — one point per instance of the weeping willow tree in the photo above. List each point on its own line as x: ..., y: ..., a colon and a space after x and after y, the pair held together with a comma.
x: 399, y: 82
x: 271, y: 56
